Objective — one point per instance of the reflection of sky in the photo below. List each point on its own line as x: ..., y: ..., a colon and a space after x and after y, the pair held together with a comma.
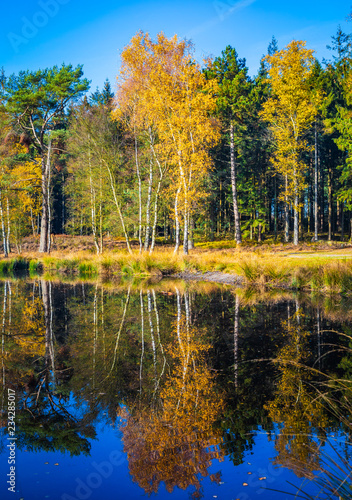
x: 70, y: 478
x: 94, y: 33
x: 76, y: 478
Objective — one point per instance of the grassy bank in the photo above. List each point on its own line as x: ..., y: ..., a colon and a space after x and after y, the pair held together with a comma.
x: 318, y: 271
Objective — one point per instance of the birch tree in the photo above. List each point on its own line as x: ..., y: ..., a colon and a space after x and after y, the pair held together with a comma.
x: 290, y: 111
x: 95, y: 149
x: 176, y: 102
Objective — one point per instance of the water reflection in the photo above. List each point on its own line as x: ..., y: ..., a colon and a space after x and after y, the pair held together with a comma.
x: 189, y: 375
x: 296, y: 405
x: 172, y: 437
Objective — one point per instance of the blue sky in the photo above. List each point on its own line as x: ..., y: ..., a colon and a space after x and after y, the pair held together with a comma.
x: 42, y: 33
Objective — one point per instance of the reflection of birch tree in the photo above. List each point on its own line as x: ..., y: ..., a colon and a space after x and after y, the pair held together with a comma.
x: 235, y: 339
x: 296, y: 408
x: 177, y: 441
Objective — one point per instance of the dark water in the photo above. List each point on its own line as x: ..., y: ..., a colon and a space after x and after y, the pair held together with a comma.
x: 172, y: 390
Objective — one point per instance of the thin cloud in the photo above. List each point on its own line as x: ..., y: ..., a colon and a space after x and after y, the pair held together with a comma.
x: 224, y: 9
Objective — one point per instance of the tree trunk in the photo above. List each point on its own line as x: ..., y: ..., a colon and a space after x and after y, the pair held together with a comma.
x: 156, y: 202
x: 44, y: 223
x: 287, y: 209
x: 296, y: 222
x: 8, y: 225
x: 238, y: 237
x: 139, y: 194
x: 149, y: 198
x: 342, y: 221
x: 316, y: 186
x: 4, y: 240
x: 117, y: 204
x: 177, y: 222
x: 101, y: 209
x: 185, y: 229
x: 93, y: 214
x: 191, y: 234
x: 63, y: 211
x: 330, y: 203
x: 32, y: 222
x: 44, y: 244
x: 275, y: 210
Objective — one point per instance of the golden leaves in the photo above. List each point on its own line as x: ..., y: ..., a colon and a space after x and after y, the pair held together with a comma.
x: 161, y: 88
x: 291, y: 109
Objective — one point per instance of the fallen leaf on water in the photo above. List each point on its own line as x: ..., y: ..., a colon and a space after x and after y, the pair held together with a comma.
x: 262, y: 478
x: 56, y: 464
x: 245, y: 484
x: 249, y: 473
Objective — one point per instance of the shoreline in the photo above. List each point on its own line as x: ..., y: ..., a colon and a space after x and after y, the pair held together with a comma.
x: 212, y: 276
x: 328, y: 272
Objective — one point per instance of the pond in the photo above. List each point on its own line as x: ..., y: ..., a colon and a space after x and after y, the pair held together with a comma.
x: 173, y: 390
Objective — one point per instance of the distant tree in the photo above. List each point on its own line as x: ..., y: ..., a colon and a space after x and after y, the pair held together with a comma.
x: 234, y: 107
x: 103, y: 97
x: 336, y: 83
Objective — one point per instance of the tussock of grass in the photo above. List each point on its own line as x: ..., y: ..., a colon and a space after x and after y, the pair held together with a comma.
x: 87, y: 268
x: 11, y: 265
x: 217, y: 244
x: 269, y: 270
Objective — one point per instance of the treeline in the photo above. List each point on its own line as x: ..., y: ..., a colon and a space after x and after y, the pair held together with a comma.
x: 181, y: 152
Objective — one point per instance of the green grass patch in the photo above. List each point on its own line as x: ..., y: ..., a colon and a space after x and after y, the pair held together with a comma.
x: 87, y: 269
x: 216, y: 244
x: 13, y: 265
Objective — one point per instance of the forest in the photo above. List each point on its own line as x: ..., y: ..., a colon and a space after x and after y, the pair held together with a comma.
x: 179, y: 152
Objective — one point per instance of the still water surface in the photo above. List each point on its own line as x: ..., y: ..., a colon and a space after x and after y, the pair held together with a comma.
x: 172, y: 390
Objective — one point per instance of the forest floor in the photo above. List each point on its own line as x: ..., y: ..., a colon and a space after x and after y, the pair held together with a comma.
x: 67, y: 243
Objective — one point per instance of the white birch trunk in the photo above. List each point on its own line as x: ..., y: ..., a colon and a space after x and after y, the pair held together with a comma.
x: 4, y: 241
x: 147, y: 221
x: 316, y: 186
x: 177, y: 222
x: 139, y: 194
x: 238, y: 236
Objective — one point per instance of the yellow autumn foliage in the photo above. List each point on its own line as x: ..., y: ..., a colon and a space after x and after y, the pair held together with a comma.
x: 290, y: 111
x: 177, y: 443
x: 296, y: 408
x: 161, y: 88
